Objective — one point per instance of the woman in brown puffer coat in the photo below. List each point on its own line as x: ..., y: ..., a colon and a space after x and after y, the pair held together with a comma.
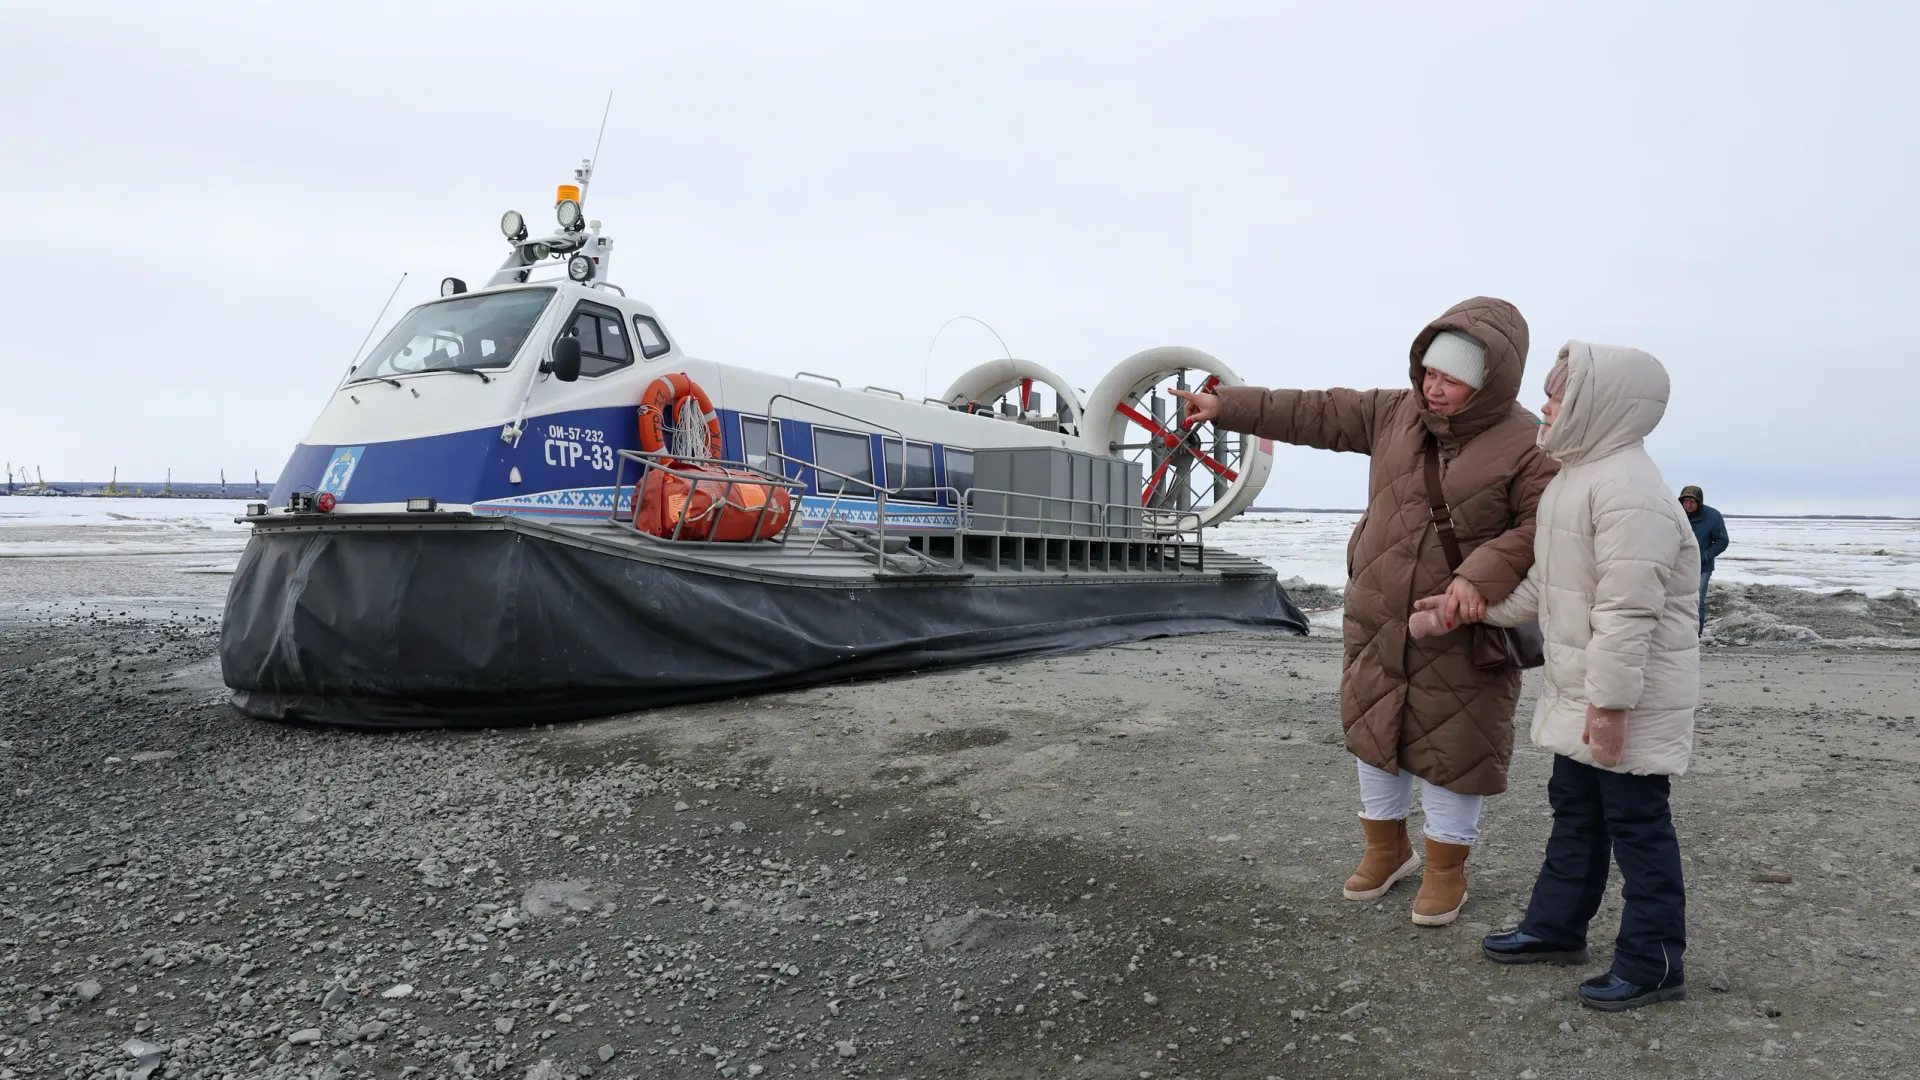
x: 1421, y: 708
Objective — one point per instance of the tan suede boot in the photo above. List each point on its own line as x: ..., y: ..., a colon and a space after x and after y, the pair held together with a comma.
x: 1443, y: 892
x: 1390, y: 857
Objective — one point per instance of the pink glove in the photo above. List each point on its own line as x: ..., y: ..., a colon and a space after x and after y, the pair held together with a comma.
x: 1606, y: 734
x: 1429, y: 618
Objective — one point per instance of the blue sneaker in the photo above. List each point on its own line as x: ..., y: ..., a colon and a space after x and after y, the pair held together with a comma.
x: 1611, y: 993
x: 1514, y: 947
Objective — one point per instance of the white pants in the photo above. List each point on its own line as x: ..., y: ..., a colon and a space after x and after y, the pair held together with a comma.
x: 1451, y: 818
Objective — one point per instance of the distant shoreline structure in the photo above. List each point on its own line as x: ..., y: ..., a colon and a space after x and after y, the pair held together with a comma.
x: 152, y: 489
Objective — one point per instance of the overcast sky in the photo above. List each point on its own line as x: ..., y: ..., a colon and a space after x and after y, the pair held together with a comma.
x: 205, y: 206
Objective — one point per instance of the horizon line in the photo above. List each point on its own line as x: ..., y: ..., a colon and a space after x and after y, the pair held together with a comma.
x: 213, y: 487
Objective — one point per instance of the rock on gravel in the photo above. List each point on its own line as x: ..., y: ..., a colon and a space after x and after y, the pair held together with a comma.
x: 544, y: 898
x: 148, y: 1058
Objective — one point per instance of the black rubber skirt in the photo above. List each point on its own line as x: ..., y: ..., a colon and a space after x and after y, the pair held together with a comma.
x: 497, y: 627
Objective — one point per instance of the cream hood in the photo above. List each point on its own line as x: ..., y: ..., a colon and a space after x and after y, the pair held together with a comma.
x: 1614, y: 399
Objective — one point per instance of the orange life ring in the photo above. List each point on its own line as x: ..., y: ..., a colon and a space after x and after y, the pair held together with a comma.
x: 661, y: 401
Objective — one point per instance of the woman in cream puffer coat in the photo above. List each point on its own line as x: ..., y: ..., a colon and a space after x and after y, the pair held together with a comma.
x: 1614, y: 587
x: 1616, y: 571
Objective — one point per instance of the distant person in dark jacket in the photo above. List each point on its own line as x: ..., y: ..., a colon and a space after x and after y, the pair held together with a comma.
x: 1711, y: 530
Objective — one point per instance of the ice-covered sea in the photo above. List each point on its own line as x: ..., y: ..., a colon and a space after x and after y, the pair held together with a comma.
x: 77, y: 526
x: 1874, y: 557
x: 1877, y: 558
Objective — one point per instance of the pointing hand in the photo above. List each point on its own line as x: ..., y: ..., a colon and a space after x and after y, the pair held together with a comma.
x: 1201, y: 407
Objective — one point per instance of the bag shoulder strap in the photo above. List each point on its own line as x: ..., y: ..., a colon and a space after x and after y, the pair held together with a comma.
x: 1438, y: 509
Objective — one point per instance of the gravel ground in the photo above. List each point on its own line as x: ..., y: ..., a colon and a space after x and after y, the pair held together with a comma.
x: 1124, y: 863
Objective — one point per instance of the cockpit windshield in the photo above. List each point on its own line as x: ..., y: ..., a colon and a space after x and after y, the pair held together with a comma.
x: 462, y: 334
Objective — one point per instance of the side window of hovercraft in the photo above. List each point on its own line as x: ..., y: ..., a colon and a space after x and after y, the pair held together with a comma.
x: 603, y: 340
x: 756, y: 433
x: 909, y: 469
x: 849, y: 456
x: 652, y: 339
x: 959, y: 470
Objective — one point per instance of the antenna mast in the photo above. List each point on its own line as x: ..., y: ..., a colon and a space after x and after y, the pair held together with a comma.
x: 584, y: 173
x: 376, y: 321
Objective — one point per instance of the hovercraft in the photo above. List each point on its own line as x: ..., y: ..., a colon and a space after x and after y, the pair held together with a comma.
x: 526, y: 503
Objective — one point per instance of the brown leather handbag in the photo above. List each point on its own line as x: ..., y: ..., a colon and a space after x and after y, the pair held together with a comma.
x: 1494, y: 647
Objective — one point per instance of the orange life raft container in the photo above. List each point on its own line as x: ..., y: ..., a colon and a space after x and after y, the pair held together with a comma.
x: 700, y: 501
x: 730, y: 505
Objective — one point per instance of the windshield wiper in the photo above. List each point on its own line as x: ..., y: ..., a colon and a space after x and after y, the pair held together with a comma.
x: 470, y: 371
x: 374, y: 378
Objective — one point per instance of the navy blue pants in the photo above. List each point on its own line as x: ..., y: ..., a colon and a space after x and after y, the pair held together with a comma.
x: 1598, y: 817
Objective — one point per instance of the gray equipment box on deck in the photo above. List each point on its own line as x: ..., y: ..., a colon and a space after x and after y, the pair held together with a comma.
x: 1053, y: 491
